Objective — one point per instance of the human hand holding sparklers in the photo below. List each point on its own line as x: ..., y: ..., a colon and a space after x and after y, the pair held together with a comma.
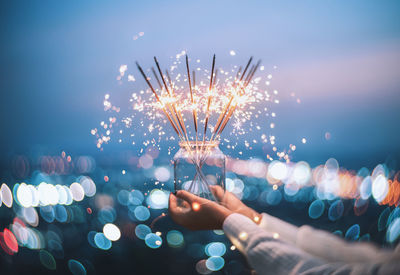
x: 196, y: 213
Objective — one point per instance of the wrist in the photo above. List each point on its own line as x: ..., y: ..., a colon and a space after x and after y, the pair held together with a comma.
x: 224, y: 213
x: 257, y: 217
x: 254, y: 215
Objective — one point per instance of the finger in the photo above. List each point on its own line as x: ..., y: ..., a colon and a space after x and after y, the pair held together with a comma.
x: 173, y: 202
x: 185, y: 195
x: 173, y: 206
x: 218, y: 192
x: 176, y: 204
x: 178, y: 213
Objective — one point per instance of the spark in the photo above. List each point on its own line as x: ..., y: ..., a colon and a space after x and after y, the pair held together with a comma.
x: 196, y: 103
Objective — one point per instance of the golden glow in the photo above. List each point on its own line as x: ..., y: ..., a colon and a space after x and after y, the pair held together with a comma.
x: 243, y: 236
x: 195, y: 206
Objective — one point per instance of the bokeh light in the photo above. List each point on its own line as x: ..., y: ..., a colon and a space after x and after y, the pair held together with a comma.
x: 335, y: 211
x: 353, y: 232
x: 215, y: 263
x: 393, y: 231
x: 316, y: 209
x: 175, y: 238
x: 6, y: 195
x: 142, y: 231
x: 380, y: 188
x: 112, y: 232
x: 142, y: 213
x: 47, y: 260
x: 102, y: 242
x: 153, y: 240
x: 215, y: 249
x: 76, y: 267
x: 158, y: 199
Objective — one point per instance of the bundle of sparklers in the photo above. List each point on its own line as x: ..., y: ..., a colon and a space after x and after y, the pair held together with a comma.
x: 198, y: 150
x: 167, y: 100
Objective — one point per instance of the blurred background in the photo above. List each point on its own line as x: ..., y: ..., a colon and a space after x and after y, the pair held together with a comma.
x: 58, y: 59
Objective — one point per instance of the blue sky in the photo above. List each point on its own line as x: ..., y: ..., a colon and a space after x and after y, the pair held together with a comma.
x: 58, y: 59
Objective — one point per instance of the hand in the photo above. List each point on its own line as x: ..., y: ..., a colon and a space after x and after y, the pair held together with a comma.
x: 235, y: 205
x: 196, y: 213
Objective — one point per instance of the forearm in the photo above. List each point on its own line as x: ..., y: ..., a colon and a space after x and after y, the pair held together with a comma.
x: 286, y: 231
x: 264, y: 252
x: 269, y: 255
x: 322, y: 244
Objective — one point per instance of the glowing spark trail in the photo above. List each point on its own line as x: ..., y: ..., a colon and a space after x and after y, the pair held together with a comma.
x: 196, y: 94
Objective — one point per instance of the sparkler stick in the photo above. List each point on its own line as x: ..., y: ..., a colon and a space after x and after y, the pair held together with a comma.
x: 158, y: 80
x: 212, y: 73
x: 173, y: 93
x: 194, y: 79
x: 209, y: 99
x: 177, y: 114
x: 215, y: 81
x: 227, y: 119
x: 245, y: 69
x: 222, y: 115
x: 169, y: 79
x: 191, y: 96
x: 195, y: 112
x: 215, y: 77
x: 157, y: 98
x: 251, y: 74
x: 174, y: 117
x: 161, y: 74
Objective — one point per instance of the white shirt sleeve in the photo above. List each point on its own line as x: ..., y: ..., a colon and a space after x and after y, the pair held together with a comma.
x: 323, y: 244
x: 268, y: 254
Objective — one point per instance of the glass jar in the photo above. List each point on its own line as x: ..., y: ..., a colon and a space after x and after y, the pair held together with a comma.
x: 197, y: 165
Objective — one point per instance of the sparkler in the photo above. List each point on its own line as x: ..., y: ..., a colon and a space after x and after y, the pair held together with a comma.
x: 236, y: 95
x: 171, y: 105
x: 158, y: 99
x: 191, y: 94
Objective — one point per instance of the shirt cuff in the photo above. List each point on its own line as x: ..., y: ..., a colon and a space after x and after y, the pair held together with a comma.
x: 236, y: 223
x: 239, y: 228
x: 285, y: 231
